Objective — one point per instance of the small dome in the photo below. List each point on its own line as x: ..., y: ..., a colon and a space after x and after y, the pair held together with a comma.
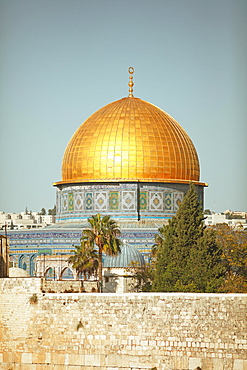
x: 128, y: 254
x: 18, y: 272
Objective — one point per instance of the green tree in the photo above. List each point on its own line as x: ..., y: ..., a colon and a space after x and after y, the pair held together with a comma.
x: 52, y: 211
x: 188, y: 257
x: 84, y: 260
x: 42, y: 212
x: 142, y: 276
x: 234, y: 247
x: 104, y: 233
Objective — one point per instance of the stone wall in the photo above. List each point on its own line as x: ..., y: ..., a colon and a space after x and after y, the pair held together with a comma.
x: 72, y: 331
x: 68, y: 286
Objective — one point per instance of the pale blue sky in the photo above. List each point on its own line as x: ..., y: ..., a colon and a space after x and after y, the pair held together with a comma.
x: 63, y: 60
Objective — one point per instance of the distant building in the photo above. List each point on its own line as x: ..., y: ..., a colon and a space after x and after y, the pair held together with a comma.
x: 23, y: 220
x: 236, y: 214
x: 226, y: 218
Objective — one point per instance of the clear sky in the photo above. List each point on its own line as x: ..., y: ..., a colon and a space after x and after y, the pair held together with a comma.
x: 63, y: 60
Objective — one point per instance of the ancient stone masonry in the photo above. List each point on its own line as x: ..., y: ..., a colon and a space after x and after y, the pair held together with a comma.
x: 72, y: 331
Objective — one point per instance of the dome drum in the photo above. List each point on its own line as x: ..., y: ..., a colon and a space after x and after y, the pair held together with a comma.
x: 123, y: 201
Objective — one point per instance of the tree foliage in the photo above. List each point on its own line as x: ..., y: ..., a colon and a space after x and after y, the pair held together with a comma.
x: 52, y: 211
x: 142, y: 276
x: 84, y: 260
x: 103, y: 233
x: 42, y: 212
x: 188, y: 256
x: 234, y: 247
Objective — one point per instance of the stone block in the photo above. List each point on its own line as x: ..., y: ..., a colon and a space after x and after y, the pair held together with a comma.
x: 75, y: 359
x: 238, y: 364
x: 48, y: 358
x: 57, y: 359
x: 218, y: 364
x: 92, y: 360
x: 39, y: 358
x: 115, y: 360
x: 194, y: 362
x: 27, y: 358
x: 7, y: 357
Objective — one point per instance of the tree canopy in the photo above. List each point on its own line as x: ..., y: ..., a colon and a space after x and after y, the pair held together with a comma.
x: 234, y: 256
x: 103, y: 233
x: 43, y: 211
x: 188, y: 256
x: 84, y: 260
x: 52, y: 211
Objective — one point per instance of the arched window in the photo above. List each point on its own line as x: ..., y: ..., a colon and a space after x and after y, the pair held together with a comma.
x: 50, y: 273
x: 67, y: 274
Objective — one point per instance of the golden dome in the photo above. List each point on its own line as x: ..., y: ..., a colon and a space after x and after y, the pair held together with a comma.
x: 130, y: 140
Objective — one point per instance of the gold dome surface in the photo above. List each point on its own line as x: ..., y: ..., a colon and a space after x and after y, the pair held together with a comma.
x: 130, y: 140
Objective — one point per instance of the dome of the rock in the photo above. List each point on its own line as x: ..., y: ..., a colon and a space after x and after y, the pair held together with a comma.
x: 130, y: 160
x: 130, y: 140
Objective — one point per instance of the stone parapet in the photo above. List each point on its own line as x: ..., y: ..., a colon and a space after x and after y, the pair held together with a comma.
x: 68, y: 286
x: 135, y: 331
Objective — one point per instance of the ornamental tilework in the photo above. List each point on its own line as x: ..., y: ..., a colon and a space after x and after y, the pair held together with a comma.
x: 143, y: 200
x: 89, y: 201
x: 168, y: 201
x: 71, y: 202
x: 178, y: 197
x: 64, y: 202
x: 128, y: 200
x: 156, y: 201
x: 78, y: 201
x: 114, y: 200
x: 100, y: 200
x: 111, y: 199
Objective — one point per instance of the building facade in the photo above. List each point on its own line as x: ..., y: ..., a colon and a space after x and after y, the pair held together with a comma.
x: 25, y: 220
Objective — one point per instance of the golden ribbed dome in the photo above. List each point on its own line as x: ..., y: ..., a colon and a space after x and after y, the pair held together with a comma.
x: 130, y: 140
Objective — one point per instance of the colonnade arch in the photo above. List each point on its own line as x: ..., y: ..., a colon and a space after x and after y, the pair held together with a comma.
x: 27, y: 263
x: 57, y: 265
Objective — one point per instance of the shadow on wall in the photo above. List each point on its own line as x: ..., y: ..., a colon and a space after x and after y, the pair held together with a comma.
x: 111, y: 283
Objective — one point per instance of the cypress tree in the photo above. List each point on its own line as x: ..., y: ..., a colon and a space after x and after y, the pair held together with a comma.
x: 188, y: 258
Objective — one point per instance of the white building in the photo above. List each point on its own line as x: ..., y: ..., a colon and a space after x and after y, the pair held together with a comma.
x: 225, y: 218
x: 25, y: 220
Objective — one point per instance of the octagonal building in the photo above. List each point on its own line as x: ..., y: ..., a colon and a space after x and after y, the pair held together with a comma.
x: 130, y: 160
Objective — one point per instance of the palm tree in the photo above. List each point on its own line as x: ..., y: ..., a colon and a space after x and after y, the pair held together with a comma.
x: 105, y: 233
x: 85, y: 259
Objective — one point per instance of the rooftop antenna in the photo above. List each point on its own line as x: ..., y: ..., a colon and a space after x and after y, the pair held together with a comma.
x: 131, y: 83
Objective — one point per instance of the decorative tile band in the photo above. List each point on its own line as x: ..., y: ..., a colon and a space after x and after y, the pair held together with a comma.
x: 118, y: 199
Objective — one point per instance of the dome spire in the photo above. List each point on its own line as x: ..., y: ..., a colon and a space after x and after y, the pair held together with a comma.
x: 131, y: 83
